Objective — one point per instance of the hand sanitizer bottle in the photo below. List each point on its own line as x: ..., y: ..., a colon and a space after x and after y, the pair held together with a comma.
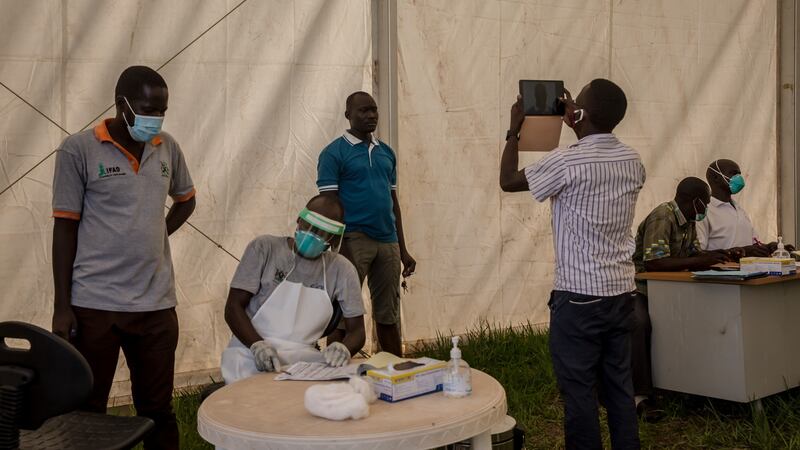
x: 457, y: 376
x: 781, y: 251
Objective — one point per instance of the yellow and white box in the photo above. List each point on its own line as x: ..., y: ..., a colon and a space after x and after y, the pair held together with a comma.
x: 773, y: 266
x: 393, y: 385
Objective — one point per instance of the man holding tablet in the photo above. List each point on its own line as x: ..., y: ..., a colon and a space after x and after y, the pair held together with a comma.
x: 592, y: 186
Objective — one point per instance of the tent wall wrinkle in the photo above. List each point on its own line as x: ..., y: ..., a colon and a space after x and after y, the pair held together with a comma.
x: 252, y: 103
x: 255, y: 99
x: 699, y: 76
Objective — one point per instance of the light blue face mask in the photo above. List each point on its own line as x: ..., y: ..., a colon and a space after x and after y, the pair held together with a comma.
x: 308, y: 244
x: 699, y: 216
x: 144, y: 128
x: 735, y: 183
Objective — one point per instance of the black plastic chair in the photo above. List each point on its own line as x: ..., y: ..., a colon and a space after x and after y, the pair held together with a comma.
x: 40, y: 389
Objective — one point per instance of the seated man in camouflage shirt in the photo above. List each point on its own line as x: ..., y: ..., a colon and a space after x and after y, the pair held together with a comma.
x: 666, y: 241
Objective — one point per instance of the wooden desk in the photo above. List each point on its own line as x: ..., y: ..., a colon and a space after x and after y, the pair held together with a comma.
x: 733, y: 340
x: 260, y: 413
x: 687, y: 276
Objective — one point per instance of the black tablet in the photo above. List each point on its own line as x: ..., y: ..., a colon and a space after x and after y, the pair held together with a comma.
x: 540, y: 97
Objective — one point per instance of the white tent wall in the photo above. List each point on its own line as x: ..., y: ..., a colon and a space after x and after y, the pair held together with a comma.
x: 252, y: 102
x: 700, y: 79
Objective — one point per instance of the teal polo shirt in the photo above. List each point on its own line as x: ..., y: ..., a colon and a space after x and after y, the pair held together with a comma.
x: 364, y: 174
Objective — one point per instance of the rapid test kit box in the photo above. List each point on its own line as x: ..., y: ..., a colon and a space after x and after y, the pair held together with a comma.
x: 408, y: 379
x: 772, y: 266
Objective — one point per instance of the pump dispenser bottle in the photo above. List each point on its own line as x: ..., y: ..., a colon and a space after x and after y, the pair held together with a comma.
x: 457, y: 377
x: 781, y: 251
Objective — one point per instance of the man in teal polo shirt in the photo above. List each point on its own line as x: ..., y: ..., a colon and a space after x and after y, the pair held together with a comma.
x: 362, y: 171
x: 112, y: 269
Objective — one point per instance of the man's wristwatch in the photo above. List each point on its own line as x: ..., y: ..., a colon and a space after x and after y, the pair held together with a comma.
x: 511, y: 133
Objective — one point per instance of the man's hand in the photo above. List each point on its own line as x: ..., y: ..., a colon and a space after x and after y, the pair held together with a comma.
x: 736, y: 253
x: 569, y: 107
x: 336, y: 354
x: 266, y: 357
x: 517, y: 116
x: 772, y: 246
x: 65, y: 324
x: 409, y: 264
x: 758, y: 250
x: 708, y: 259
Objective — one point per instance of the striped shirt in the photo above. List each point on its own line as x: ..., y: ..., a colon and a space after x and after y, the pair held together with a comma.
x: 592, y: 186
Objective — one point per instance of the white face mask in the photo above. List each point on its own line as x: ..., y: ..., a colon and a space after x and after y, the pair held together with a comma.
x: 579, y: 113
x: 572, y: 119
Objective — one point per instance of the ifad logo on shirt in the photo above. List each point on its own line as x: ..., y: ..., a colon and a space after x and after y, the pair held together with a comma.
x: 111, y: 171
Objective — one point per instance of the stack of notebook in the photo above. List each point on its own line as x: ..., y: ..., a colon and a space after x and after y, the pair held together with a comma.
x: 729, y: 275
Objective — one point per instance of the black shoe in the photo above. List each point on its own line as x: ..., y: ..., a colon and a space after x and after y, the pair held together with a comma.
x: 648, y: 412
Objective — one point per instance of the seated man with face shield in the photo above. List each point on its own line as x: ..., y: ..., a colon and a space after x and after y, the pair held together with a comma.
x: 288, y: 292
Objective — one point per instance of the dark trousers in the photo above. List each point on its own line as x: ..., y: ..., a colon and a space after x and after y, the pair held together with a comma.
x: 640, y: 348
x: 149, y: 340
x: 590, y: 348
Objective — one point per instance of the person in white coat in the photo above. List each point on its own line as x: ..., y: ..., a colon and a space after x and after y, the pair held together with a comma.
x: 727, y: 225
x: 288, y: 292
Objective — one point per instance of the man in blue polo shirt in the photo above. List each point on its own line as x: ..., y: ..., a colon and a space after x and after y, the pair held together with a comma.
x: 362, y: 171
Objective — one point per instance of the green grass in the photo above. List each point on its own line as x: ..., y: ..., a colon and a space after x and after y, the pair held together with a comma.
x: 185, y: 405
x: 520, y: 360
x: 186, y: 412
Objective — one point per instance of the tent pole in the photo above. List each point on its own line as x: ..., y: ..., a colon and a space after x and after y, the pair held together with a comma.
x: 787, y: 108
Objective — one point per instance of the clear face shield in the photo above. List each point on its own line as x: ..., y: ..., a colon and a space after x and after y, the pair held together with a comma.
x: 316, y: 233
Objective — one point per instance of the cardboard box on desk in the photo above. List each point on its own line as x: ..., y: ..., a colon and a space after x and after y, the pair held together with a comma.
x: 773, y: 266
x: 393, y: 385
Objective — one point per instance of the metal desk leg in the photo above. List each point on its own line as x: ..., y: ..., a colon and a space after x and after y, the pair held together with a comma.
x: 482, y: 441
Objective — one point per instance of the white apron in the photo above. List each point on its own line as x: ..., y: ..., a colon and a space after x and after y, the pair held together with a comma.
x: 291, y: 320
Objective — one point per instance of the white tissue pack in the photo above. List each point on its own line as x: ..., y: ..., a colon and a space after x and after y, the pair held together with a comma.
x: 393, y: 384
x: 773, y: 266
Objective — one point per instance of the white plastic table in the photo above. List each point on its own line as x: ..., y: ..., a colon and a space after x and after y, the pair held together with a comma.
x: 261, y: 413
x: 733, y: 340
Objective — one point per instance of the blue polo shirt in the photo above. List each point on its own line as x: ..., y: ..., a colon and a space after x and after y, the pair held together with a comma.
x: 365, y: 174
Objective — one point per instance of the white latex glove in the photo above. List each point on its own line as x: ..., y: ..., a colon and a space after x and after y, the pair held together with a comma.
x: 336, y: 354
x: 266, y: 358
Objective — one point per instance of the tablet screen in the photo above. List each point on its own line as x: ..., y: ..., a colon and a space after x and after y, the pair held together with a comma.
x: 540, y: 97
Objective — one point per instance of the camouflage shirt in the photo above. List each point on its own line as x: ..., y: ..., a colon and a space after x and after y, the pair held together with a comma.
x: 663, y: 233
